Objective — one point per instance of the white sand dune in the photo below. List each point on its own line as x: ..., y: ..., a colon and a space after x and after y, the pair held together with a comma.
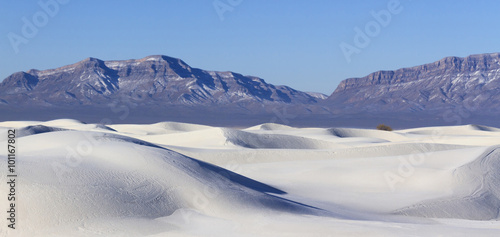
x: 158, y: 128
x: 270, y: 126
x: 351, y: 132
x: 471, y: 129
x: 238, y: 156
x: 123, y: 176
x: 275, y: 141
x: 476, y: 192
x: 176, y: 179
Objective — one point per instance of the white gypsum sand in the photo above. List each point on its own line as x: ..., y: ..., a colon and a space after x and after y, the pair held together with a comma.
x: 175, y: 179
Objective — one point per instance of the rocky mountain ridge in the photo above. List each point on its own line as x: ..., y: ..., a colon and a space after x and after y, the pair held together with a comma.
x: 156, y: 79
x: 473, y: 81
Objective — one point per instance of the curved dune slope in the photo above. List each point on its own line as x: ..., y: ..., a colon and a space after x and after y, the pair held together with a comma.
x: 476, y: 192
x: 73, y: 176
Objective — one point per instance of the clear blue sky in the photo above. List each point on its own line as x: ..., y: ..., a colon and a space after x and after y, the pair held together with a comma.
x: 296, y: 43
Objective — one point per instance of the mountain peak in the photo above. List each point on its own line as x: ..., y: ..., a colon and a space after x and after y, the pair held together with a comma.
x: 89, y: 62
x: 91, y: 59
x: 158, y: 58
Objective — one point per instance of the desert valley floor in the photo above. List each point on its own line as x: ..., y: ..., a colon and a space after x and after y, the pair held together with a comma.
x: 175, y: 179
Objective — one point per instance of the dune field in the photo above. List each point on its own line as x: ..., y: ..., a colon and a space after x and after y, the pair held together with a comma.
x: 176, y: 179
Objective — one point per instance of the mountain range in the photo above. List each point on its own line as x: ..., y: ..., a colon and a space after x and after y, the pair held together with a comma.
x: 472, y: 82
x: 163, y: 80
x: 157, y: 88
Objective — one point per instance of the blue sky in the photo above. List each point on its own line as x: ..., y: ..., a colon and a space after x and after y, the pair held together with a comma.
x: 296, y: 43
